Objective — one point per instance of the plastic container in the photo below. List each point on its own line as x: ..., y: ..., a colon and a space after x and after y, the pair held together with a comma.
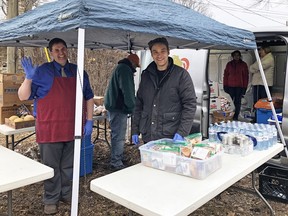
x: 273, y: 183
x: 86, y: 160
x: 265, y: 104
x: 279, y: 117
x: 264, y: 114
x: 86, y: 141
x: 170, y: 162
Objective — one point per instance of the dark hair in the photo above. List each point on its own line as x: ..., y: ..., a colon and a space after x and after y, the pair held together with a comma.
x: 266, y: 48
x: 161, y: 40
x: 56, y: 41
x: 236, y: 51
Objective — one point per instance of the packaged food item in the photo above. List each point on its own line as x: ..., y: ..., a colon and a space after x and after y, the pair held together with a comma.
x: 167, y: 145
x: 186, y: 151
x: 193, y: 139
x: 235, y: 143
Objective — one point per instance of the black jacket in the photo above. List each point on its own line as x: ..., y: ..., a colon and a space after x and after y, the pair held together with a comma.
x: 164, y: 107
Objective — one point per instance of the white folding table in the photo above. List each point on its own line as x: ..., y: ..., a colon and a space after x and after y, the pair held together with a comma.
x: 151, y: 192
x: 17, y: 170
x: 8, y: 131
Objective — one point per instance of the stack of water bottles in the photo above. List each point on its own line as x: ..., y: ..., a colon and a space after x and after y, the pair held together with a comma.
x: 262, y: 135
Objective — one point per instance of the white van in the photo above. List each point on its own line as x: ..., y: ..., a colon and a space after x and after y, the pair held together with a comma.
x: 277, y: 39
x: 206, y: 68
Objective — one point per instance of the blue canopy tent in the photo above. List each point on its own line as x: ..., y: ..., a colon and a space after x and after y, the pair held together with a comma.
x: 117, y: 24
x: 121, y: 24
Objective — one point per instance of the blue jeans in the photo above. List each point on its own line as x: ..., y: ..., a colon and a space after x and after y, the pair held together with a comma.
x: 118, y: 125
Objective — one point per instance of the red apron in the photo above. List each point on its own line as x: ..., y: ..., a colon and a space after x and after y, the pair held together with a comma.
x: 55, y: 120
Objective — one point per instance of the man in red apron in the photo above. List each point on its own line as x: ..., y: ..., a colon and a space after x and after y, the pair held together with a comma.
x: 53, y: 88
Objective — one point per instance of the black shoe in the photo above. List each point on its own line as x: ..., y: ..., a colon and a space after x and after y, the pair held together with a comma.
x: 50, y: 209
x: 114, y: 169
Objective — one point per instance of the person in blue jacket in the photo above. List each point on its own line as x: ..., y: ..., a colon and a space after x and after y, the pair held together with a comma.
x: 119, y: 100
x: 52, y: 86
x: 166, y: 100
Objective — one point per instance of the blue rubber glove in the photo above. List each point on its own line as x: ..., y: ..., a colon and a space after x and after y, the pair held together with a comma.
x: 135, y: 139
x: 88, y: 127
x: 28, y: 67
x: 177, y: 137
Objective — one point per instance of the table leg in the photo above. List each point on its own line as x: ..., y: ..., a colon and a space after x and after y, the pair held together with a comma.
x: 10, y: 203
x: 97, y: 131
x: 105, y: 132
x: 260, y: 195
x: 7, y: 141
x: 15, y: 143
x: 12, y: 141
x: 18, y: 141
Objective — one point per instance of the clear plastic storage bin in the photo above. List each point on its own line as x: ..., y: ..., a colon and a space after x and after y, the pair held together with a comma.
x: 171, y: 162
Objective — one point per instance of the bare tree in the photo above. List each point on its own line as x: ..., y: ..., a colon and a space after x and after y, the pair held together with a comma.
x: 4, y: 7
x: 268, y: 2
x: 26, y: 4
x: 195, y: 5
x: 29, y: 4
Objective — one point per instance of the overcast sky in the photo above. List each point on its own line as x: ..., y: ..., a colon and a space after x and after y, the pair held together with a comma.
x: 244, y: 13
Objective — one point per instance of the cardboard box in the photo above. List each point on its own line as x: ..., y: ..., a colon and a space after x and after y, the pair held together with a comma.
x: 9, y: 85
x: 214, y: 89
x: 220, y: 116
x: 215, y: 104
x: 18, y: 125
x: 7, y: 111
x: 98, y: 100
x: 13, y: 78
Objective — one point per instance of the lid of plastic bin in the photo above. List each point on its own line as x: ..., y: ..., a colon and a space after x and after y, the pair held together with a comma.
x: 265, y: 104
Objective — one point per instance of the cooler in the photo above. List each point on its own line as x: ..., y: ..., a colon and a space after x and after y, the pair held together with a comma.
x: 86, y: 157
x: 263, y: 109
x: 86, y: 160
x: 264, y: 114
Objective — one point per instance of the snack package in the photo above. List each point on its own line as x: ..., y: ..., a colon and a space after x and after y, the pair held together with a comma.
x: 168, y: 146
x: 193, y: 139
x: 186, y: 151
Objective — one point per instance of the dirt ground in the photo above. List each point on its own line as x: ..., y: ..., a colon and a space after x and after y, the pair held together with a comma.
x: 27, y: 201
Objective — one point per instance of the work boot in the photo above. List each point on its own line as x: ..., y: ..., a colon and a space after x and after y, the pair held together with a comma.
x: 50, y: 209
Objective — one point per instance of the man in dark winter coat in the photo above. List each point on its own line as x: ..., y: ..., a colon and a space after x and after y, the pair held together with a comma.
x: 166, y: 100
x: 120, y: 101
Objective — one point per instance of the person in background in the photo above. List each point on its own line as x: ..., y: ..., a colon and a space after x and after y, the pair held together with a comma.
x: 165, y: 100
x: 53, y: 88
x: 236, y: 76
x: 119, y: 100
x: 267, y: 61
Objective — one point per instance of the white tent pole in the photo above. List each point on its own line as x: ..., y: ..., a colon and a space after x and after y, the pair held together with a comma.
x: 78, y: 121
x: 270, y: 100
